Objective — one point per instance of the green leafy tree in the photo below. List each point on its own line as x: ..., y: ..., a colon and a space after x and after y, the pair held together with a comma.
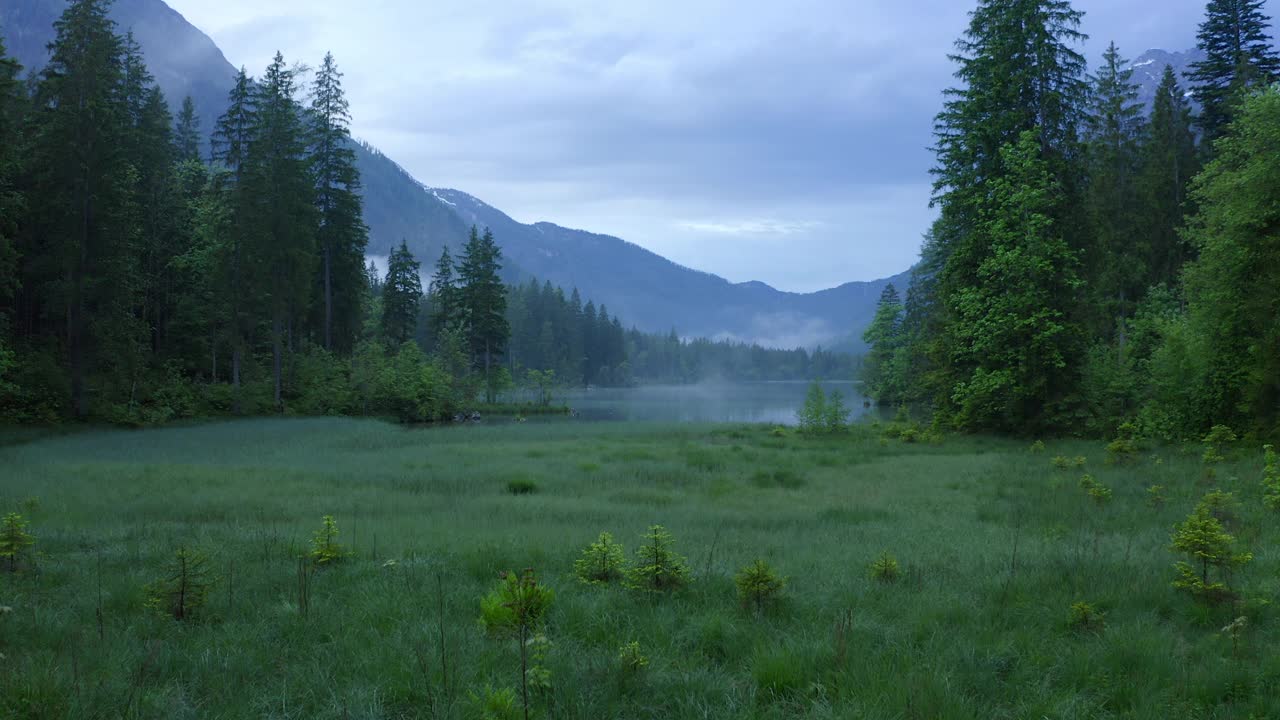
x: 1004, y: 252
x: 758, y: 585
x: 341, y: 235
x: 813, y: 415
x: 325, y: 548
x: 1233, y: 289
x: 14, y: 540
x: 401, y: 296
x: 517, y: 606
x: 1210, y: 548
x: 1238, y: 56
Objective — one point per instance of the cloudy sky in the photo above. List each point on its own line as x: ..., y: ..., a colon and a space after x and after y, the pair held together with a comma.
x: 760, y: 140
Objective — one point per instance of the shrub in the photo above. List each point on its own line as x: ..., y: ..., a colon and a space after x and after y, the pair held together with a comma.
x: 494, y: 704
x: 835, y: 415
x: 184, y: 590
x: 1085, y: 617
x: 1155, y: 496
x: 324, y: 545
x: 1037, y: 447
x: 518, y: 603
x: 15, y: 541
x: 602, y: 562
x: 1099, y: 493
x: 1221, y: 505
x: 631, y: 659
x: 658, y: 567
x: 885, y: 568
x: 813, y: 415
x: 1202, y: 537
x: 1216, y: 442
x: 522, y: 486
x: 1061, y: 463
x: 758, y: 585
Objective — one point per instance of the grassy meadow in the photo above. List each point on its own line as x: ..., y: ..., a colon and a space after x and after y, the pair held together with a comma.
x: 995, y: 545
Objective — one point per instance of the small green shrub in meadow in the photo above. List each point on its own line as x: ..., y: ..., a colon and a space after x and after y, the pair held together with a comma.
x: 602, y: 562
x: 1208, y: 545
x: 1155, y: 496
x: 1124, y: 448
x: 15, y: 541
x: 515, y: 608
x: 1083, y: 616
x: 493, y: 704
x: 1221, y: 505
x: 631, y: 659
x: 658, y: 567
x: 184, y: 589
x: 885, y: 568
x: 522, y: 486
x: 1100, y: 494
x: 1216, y: 444
x: 325, y: 548
x: 759, y: 586
x: 1037, y: 447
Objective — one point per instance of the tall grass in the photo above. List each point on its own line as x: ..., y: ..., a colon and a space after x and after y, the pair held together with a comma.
x: 994, y: 546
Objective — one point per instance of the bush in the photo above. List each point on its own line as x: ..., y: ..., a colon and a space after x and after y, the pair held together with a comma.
x: 631, y: 659
x: 184, y: 590
x: 494, y: 704
x: 516, y: 605
x: 658, y: 568
x: 1085, y: 617
x: 522, y: 486
x: 1099, y: 493
x: 15, y: 541
x: 813, y: 415
x: 1202, y: 537
x: 1216, y: 444
x: 1271, y: 478
x: 602, y: 562
x: 885, y: 568
x: 324, y: 545
x: 1155, y: 496
x: 758, y: 585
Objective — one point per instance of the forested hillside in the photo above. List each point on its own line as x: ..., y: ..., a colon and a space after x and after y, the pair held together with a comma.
x: 1097, y: 265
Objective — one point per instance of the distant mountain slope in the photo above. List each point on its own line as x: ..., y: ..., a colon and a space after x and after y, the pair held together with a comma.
x: 641, y: 287
x: 1148, y: 70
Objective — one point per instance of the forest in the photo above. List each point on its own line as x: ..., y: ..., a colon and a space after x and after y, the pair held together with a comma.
x: 142, y: 280
x: 1096, y: 265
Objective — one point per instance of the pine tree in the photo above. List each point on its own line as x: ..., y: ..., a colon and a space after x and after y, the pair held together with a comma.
x: 884, y: 337
x: 1116, y: 262
x: 11, y: 201
x: 1169, y: 162
x: 82, y: 198
x: 443, y: 293
x: 401, y: 296
x: 186, y: 136
x: 1239, y: 56
x: 283, y: 194
x: 342, y: 235
x: 1022, y: 88
x: 483, y: 299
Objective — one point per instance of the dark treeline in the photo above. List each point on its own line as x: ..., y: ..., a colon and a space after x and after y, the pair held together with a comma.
x: 1096, y: 263
x: 141, y: 280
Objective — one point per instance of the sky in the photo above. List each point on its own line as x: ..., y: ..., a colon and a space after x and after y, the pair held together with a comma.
x: 785, y: 142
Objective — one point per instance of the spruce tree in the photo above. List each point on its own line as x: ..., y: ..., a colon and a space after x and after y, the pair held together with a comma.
x: 443, y: 294
x: 1169, y: 161
x: 1116, y: 259
x: 11, y: 201
x: 483, y: 299
x: 884, y: 336
x: 282, y: 191
x: 232, y: 236
x: 1022, y: 88
x: 342, y: 235
x: 401, y: 296
x: 186, y: 136
x: 1238, y: 56
x: 82, y: 199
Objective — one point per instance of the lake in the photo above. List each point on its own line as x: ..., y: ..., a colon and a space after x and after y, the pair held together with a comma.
x: 761, y: 402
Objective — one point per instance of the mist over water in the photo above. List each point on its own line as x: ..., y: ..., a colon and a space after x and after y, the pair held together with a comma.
x: 761, y: 402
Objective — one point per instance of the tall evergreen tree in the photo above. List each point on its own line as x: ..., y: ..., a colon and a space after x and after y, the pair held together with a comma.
x: 1116, y: 260
x: 1238, y: 55
x: 1169, y: 161
x: 11, y: 201
x: 230, y: 242
x: 83, y: 203
x: 284, y: 208
x: 401, y: 296
x: 443, y: 293
x: 1022, y: 87
x: 342, y: 235
x: 484, y: 302
x: 884, y: 337
x: 186, y: 136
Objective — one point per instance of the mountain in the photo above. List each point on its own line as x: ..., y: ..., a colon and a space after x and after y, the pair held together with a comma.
x: 641, y: 287
x: 1148, y: 69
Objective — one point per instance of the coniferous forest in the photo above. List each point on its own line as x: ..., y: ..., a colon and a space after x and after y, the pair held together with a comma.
x: 150, y: 275
x: 1096, y: 263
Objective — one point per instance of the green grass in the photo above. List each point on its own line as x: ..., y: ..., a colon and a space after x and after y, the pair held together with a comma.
x: 970, y: 629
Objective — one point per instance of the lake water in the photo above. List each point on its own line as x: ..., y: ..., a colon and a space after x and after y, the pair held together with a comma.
x: 764, y: 402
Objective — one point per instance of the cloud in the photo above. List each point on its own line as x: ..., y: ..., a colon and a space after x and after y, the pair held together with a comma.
x: 783, y: 142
